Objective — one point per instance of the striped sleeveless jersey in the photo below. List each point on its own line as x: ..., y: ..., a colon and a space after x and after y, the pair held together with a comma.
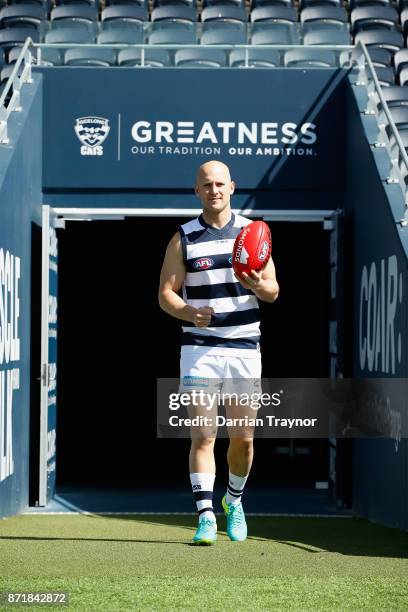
x: 210, y: 281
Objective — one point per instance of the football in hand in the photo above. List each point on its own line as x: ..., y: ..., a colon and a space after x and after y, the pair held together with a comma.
x: 252, y: 248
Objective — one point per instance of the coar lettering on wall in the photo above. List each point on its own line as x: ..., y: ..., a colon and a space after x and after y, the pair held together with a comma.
x: 381, y: 293
x: 10, y: 267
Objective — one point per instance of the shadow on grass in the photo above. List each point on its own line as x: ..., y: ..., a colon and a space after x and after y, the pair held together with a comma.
x: 347, y: 536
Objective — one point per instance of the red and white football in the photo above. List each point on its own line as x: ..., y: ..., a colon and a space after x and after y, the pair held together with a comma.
x: 252, y: 248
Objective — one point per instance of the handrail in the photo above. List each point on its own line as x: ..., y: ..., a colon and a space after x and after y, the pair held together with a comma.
x: 16, y: 82
x: 387, y: 113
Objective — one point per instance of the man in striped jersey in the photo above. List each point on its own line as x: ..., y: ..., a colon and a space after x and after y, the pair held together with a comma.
x: 221, y: 333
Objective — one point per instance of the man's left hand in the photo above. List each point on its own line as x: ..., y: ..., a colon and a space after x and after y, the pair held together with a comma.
x: 253, y: 282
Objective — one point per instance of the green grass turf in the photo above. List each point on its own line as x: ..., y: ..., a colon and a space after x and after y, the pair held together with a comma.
x: 147, y: 563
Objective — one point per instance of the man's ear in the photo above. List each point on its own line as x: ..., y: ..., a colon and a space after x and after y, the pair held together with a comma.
x: 196, y: 191
x: 232, y: 187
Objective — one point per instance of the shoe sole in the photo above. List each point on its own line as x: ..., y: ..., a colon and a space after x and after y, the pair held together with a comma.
x: 204, y: 542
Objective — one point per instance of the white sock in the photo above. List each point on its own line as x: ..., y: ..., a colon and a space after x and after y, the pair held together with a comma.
x: 235, y: 488
x: 203, y: 485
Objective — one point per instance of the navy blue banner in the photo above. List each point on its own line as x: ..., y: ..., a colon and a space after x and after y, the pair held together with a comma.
x: 151, y: 129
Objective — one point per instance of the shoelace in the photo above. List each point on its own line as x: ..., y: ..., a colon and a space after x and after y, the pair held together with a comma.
x: 236, y: 515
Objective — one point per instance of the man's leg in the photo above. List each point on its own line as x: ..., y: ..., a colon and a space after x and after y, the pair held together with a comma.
x: 202, y: 476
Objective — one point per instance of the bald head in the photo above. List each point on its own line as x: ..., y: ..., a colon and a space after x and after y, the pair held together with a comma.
x: 214, y: 188
x: 213, y: 168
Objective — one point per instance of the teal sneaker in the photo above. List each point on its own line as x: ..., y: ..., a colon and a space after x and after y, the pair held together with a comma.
x: 236, y: 523
x: 206, y: 533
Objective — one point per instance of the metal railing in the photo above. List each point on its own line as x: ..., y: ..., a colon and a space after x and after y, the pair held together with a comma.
x: 388, y: 135
x: 15, y: 83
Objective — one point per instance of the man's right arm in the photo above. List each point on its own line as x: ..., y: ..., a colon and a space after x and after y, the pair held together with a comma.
x: 172, y: 276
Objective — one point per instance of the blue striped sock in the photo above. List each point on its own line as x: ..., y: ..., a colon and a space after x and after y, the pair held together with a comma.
x: 235, y: 488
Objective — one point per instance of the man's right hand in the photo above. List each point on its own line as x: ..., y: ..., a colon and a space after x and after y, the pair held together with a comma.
x: 202, y: 316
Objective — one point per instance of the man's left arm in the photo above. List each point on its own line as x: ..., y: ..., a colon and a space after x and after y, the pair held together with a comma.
x: 263, y: 284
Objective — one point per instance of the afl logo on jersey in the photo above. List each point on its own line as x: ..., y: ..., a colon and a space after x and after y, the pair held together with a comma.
x: 263, y: 251
x: 203, y: 263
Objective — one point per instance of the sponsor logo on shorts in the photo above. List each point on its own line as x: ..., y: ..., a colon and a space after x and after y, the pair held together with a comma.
x: 263, y: 251
x: 203, y: 263
x: 195, y: 381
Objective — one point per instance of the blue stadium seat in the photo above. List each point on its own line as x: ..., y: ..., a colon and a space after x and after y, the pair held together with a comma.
x: 152, y: 57
x: 395, y: 96
x: 174, y: 2
x: 124, y: 35
x: 324, y: 14
x: 10, y: 37
x: 403, y: 76
x: 355, y: 3
x: 256, y: 3
x: 227, y: 13
x: 74, y: 13
x: 400, y: 60
x: 49, y: 56
x: 69, y: 36
x: 200, y: 58
x: 275, y: 34
x: 2, y: 57
x: 215, y: 33
x: 223, y: 2
x: 274, y: 13
x: 385, y: 75
x: 45, y: 3
x: 257, y: 57
x: 317, y: 33
x: 372, y: 17
x: 22, y: 15
x: 385, y: 39
x: 400, y: 117
x: 6, y: 71
x: 179, y: 13
x: 91, y: 56
x: 309, y: 58
x: 167, y: 33
x: 125, y: 13
x: 380, y: 57
x: 404, y: 21
x: 305, y: 3
x: 124, y: 2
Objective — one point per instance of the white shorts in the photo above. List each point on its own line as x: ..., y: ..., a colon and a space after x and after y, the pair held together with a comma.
x: 199, y: 369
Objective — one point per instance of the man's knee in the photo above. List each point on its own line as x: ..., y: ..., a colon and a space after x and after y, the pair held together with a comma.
x: 202, y: 443
x: 244, y: 445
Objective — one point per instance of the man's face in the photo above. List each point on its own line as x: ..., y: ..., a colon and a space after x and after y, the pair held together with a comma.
x: 214, y: 187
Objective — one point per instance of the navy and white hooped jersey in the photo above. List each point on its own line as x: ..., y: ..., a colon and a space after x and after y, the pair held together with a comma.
x: 210, y: 281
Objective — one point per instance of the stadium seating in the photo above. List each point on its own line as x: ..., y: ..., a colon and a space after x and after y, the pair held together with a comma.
x: 255, y: 57
x: 274, y: 13
x: 318, y: 58
x: 275, y: 34
x: 90, y: 56
x: 225, y: 13
x: 123, y: 35
x: 396, y: 96
x: 324, y: 14
x: 219, y: 33
x: 175, y: 13
x: 154, y: 58
x: 124, y: 13
x: 170, y: 33
x: 200, y: 58
x: 381, y: 24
